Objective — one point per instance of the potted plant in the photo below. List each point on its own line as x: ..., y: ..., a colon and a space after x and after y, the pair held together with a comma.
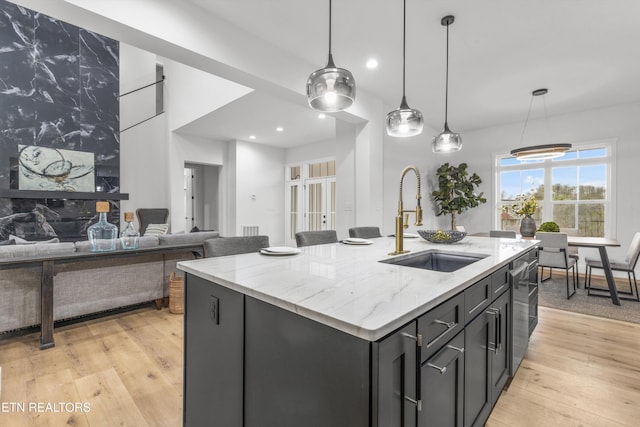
x: 549, y: 227
x: 525, y: 207
x: 455, y: 193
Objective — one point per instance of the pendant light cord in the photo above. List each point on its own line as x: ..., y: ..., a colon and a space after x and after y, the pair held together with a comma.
x: 404, y: 45
x: 446, y: 86
x: 329, y: 28
x: 526, y: 120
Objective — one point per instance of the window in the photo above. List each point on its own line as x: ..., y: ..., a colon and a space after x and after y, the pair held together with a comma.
x: 573, y: 190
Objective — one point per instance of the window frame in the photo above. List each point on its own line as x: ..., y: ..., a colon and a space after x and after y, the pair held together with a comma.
x: 547, y: 165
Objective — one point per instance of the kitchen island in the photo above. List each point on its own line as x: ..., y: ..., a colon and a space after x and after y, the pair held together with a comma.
x: 333, y: 337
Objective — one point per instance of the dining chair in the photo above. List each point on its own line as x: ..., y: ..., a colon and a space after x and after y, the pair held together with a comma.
x: 222, y: 246
x: 148, y: 216
x: 571, y: 251
x: 502, y: 233
x: 552, y: 253
x: 628, y: 266
x: 365, y: 232
x: 321, y: 237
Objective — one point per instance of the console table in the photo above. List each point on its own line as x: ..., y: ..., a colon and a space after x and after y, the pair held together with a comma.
x: 51, y: 265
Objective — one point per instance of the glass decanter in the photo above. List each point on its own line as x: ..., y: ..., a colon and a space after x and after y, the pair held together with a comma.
x: 102, y: 235
x: 129, y: 237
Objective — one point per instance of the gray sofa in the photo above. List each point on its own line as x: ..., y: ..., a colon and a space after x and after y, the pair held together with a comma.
x: 90, y: 286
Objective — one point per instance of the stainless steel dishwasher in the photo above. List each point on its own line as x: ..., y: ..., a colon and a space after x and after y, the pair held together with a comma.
x: 520, y: 275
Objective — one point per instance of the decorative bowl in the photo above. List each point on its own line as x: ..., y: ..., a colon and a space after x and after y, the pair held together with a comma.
x: 442, y: 236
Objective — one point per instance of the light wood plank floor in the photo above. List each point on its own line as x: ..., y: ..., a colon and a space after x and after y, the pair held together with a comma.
x: 579, y: 371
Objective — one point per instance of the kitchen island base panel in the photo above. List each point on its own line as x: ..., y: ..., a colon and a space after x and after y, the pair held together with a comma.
x: 299, y: 372
x: 213, y: 355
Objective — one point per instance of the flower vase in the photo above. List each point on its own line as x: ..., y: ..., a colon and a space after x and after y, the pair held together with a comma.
x: 528, y: 226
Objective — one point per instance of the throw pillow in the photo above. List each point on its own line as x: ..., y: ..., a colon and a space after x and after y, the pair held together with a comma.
x: 20, y: 241
x: 156, y: 229
x: 7, y: 242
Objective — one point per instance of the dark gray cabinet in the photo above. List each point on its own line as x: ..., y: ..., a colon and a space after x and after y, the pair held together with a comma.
x: 479, y: 342
x: 501, y: 356
x: 395, y: 372
x: 487, y: 359
x: 442, y: 377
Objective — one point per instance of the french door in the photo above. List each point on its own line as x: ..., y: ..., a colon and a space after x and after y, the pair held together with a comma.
x: 320, y: 204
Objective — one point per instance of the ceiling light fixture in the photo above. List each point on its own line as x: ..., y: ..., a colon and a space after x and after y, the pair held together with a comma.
x: 322, y: 116
x: 544, y: 151
x: 331, y: 88
x: 280, y: 129
x: 447, y: 141
x: 252, y: 137
x: 372, y: 63
x: 404, y: 121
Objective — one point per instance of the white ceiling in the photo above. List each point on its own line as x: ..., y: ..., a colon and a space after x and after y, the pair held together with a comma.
x: 583, y: 51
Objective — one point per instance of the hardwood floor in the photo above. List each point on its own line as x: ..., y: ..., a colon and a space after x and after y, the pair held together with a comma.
x: 127, y: 370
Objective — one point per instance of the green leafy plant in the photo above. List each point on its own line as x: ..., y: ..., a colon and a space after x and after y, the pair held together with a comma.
x: 549, y: 227
x: 455, y: 193
x: 524, y: 206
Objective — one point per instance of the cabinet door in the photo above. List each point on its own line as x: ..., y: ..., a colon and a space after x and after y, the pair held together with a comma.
x: 396, y: 380
x: 213, y: 350
x: 479, y: 343
x: 442, y: 386
x: 500, y: 363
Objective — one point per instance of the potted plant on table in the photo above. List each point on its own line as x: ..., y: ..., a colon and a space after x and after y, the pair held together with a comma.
x: 525, y: 207
x: 455, y: 193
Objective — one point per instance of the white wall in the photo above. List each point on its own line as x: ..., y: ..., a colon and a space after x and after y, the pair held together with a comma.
x: 143, y: 148
x: 398, y: 154
x: 137, y: 69
x: 259, y: 189
x: 195, y: 93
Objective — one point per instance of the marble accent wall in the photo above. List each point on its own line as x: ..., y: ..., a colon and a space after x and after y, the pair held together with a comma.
x: 59, y: 90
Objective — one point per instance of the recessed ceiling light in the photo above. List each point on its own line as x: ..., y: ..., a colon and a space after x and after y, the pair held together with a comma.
x: 252, y: 137
x: 279, y: 128
x: 372, y: 63
x: 322, y: 115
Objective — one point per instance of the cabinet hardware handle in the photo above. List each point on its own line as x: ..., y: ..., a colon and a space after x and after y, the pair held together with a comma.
x: 417, y: 338
x: 442, y: 369
x: 416, y: 402
x: 449, y: 325
x: 494, y: 312
x: 499, y: 329
x: 461, y: 350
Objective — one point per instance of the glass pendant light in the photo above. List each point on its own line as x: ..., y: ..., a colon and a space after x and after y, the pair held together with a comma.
x: 404, y: 121
x: 447, y: 141
x: 544, y: 151
x: 331, y: 88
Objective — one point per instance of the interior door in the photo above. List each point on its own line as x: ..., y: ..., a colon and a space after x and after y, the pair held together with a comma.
x: 188, y: 199
x: 320, y: 204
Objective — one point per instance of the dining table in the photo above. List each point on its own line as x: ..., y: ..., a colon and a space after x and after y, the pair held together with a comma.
x: 600, y: 243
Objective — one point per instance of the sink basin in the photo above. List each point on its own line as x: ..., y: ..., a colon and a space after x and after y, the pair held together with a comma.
x: 436, y: 260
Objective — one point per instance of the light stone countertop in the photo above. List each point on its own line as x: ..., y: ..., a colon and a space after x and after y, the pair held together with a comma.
x: 345, y: 287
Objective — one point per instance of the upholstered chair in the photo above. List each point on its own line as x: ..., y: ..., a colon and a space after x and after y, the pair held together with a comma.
x: 627, y: 265
x: 223, y: 246
x: 310, y: 238
x: 365, y: 232
x: 552, y: 253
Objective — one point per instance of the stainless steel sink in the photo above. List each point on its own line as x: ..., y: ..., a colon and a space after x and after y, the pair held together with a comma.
x: 436, y: 260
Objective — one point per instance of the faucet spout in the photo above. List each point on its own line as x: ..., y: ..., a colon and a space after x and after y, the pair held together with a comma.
x: 401, y: 223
